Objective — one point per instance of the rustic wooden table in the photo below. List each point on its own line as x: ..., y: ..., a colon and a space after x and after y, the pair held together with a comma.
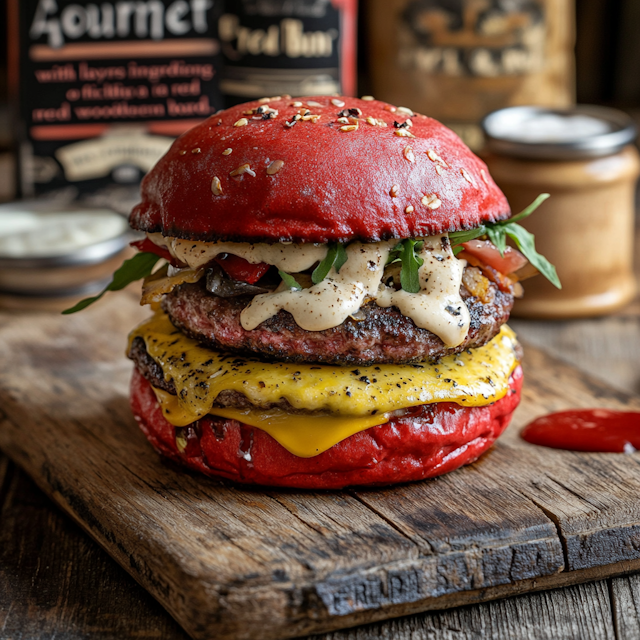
x: 56, y: 582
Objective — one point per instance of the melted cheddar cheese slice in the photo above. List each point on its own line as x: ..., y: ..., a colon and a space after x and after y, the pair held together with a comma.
x: 345, y: 400
x: 303, y: 435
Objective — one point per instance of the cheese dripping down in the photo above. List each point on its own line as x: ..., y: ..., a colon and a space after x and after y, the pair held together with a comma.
x: 437, y: 307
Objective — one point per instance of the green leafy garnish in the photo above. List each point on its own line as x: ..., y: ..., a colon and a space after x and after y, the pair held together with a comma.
x: 395, y: 253
x: 290, y: 281
x: 341, y: 258
x: 528, y: 210
x: 498, y: 232
x: 498, y: 238
x: 140, y: 266
x: 525, y: 241
x: 336, y: 257
x: 406, y: 252
x: 409, y: 277
x: 459, y: 237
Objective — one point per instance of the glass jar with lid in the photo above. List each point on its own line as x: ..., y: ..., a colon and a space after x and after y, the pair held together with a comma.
x: 584, y: 158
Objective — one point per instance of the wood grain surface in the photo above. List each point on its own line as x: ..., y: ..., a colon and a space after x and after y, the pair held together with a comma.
x: 55, y: 583
x: 579, y: 612
x: 227, y: 561
x: 69, y: 589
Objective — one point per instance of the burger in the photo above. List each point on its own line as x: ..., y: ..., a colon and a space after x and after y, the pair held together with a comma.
x: 330, y: 280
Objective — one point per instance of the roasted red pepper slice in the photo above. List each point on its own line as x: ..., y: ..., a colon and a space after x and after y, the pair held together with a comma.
x: 239, y: 269
x: 234, y: 266
x: 487, y: 252
x: 146, y: 246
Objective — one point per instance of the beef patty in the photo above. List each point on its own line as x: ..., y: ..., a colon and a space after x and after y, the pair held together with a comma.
x: 379, y: 335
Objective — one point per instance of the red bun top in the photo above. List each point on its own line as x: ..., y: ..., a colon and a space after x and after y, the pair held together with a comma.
x: 242, y: 175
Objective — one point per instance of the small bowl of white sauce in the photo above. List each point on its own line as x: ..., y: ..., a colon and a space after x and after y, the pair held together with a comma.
x: 49, y: 254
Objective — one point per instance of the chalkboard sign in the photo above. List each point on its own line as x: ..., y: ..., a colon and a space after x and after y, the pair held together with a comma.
x: 102, y: 89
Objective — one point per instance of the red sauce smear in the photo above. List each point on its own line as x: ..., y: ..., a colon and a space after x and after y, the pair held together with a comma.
x: 601, y: 430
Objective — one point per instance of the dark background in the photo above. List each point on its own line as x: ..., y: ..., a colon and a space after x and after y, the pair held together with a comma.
x: 607, y: 55
x: 607, y: 52
x: 3, y: 50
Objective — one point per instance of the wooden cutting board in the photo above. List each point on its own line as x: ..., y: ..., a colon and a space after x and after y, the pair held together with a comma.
x: 229, y: 562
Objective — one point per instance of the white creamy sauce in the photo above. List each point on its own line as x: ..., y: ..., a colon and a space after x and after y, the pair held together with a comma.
x: 28, y: 234
x: 437, y: 307
x: 291, y: 258
x: 329, y: 303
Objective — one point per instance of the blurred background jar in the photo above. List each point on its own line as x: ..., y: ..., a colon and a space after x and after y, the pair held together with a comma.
x: 457, y: 60
x: 584, y: 158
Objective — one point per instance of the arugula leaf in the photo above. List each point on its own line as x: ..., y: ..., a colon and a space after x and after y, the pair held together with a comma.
x: 498, y: 232
x: 341, y: 258
x: 498, y: 236
x: 395, y: 253
x: 527, y: 211
x: 290, y: 281
x: 336, y: 257
x: 525, y: 241
x: 136, y: 268
x: 322, y: 270
x: 459, y: 237
x: 489, y: 228
x: 409, y: 277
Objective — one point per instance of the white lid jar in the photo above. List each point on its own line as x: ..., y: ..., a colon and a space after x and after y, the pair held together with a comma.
x: 585, y: 159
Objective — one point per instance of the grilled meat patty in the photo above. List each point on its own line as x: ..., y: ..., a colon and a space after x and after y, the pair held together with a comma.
x: 379, y: 335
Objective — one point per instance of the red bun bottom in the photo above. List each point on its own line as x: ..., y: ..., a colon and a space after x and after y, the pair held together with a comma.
x: 428, y: 441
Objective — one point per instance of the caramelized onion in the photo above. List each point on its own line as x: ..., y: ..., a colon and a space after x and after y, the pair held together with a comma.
x: 166, y: 279
x: 477, y: 285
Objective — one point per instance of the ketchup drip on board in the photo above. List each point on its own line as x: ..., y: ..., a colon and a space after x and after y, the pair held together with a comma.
x: 597, y: 430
